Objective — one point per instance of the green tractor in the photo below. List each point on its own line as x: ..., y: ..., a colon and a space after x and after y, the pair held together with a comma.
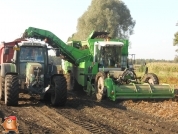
x: 31, y: 72
x: 100, y: 66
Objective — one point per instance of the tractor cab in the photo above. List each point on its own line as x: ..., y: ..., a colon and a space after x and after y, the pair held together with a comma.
x: 109, y: 55
x: 110, y: 58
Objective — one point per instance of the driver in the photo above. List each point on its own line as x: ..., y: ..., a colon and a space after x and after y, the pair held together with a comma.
x: 30, y: 53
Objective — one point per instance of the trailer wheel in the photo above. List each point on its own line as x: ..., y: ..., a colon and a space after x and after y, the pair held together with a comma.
x: 2, y: 83
x: 11, y: 91
x: 59, y: 96
x: 99, y: 86
x: 151, y: 78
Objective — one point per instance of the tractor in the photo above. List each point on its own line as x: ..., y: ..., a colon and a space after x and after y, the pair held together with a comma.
x: 29, y: 71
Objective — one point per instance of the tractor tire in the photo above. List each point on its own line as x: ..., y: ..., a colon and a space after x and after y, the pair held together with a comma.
x: 151, y: 78
x: 2, y: 83
x: 59, y: 96
x: 11, y: 90
x: 99, y: 86
x: 47, y: 97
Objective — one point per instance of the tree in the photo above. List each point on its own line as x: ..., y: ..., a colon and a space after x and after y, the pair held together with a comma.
x: 175, y: 42
x: 105, y: 15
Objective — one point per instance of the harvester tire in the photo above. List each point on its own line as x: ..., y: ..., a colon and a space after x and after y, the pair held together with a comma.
x: 11, y: 91
x: 2, y: 83
x: 130, y: 73
x: 59, y: 97
x: 151, y: 78
x: 99, y: 86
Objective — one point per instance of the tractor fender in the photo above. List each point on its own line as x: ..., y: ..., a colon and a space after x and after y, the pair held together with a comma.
x: 8, y: 68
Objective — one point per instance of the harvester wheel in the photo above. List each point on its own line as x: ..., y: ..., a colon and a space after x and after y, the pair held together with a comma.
x: 151, y: 78
x: 99, y: 86
x: 59, y: 97
x: 129, y: 74
x: 11, y: 91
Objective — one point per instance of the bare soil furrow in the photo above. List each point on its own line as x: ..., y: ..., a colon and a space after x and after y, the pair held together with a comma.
x: 61, y: 121
x: 83, y: 115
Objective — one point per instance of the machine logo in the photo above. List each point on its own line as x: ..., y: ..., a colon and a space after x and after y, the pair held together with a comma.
x: 10, y: 124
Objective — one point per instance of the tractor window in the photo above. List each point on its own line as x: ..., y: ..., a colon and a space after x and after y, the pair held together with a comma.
x: 109, y: 56
x: 31, y: 54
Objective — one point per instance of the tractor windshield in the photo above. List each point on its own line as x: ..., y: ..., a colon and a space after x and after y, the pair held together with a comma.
x: 35, y: 54
x: 109, y: 56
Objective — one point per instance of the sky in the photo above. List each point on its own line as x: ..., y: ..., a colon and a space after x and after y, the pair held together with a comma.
x: 153, y: 33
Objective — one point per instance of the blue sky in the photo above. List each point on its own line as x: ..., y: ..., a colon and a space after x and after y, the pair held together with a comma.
x: 153, y: 33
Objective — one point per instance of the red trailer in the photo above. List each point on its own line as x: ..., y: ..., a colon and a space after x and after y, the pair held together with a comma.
x: 4, y: 58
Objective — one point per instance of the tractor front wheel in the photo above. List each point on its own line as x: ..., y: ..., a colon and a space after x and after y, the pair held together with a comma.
x: 59, y: 96
x: 151, y: 78
x: 11, y: 90
x: 99, y: 86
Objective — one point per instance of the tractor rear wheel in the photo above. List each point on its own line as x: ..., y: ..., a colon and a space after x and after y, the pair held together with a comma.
x: 11, y: 90
x: 151, y: 78
x: 2, y: 83
x: 59, y: 96
x: 99, y: 86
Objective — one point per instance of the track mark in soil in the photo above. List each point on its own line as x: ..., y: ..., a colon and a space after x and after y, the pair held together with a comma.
x: 70, y: 127
x: 90, y: 125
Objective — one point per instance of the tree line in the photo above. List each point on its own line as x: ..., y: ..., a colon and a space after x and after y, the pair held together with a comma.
x: 143, y: 61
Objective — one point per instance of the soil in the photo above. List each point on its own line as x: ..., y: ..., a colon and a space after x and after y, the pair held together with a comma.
x: 83, y: 115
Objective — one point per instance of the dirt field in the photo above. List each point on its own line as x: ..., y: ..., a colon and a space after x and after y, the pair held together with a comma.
x: 82, y: 115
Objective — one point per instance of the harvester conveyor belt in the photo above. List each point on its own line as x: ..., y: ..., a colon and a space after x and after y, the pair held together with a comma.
x: 71, y: 54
